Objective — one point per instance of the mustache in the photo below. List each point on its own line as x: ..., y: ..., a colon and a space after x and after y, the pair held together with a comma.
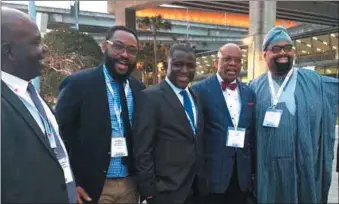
x: 283, y: 55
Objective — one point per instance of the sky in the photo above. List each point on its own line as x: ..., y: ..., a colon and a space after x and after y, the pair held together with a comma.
x: 96, y: 6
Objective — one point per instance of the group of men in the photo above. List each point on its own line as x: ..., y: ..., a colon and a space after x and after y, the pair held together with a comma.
x: 111, y: 140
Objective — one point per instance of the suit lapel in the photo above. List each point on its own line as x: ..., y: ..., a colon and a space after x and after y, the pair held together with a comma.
x: 243, y: 99
x: 100, y: 93
x: 18, y: 105
x: 197, y: 110
x: 176, y: 106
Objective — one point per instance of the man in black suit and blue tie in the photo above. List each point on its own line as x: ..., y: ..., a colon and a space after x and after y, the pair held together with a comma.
x: 168, y: 139
x: 228, y: 107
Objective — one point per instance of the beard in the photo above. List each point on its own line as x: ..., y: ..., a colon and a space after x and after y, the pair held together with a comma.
x: 282, y: 68
x: 120, y: 77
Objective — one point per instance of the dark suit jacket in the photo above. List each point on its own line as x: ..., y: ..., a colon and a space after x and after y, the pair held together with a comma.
x: 30, y: 172
x: 220, y: 158
x: 84, y: 120
x: 168, y: 156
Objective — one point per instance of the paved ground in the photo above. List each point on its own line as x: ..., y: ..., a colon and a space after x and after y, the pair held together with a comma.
x: 333, y: 194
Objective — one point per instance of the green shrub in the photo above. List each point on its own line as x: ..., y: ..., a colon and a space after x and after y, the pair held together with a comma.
x: 68, y: 51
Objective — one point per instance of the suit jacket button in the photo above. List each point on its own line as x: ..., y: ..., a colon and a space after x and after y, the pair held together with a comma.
x: 105, y: 172
x: 109, y: 153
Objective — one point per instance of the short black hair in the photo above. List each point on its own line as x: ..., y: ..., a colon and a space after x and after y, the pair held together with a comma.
x: 112, y: 30
x: 180, y: 47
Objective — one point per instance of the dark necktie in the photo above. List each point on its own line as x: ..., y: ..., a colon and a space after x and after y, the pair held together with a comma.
x: 188, y: 105
x: 35, y: 98
x: 127, y: 125
x: 225, y: 85
x: 59, y: 151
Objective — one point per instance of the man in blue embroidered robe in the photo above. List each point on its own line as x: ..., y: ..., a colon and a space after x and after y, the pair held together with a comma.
x: 294, y: 158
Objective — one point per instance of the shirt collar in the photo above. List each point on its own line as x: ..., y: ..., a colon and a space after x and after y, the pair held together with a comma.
x: 221, y: 80
x: 174, y: 88
x: 126, y: 84
x: 16, y: 84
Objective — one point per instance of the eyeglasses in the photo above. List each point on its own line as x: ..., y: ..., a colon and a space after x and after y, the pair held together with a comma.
x: 277, y: 48
x: 120, y: 47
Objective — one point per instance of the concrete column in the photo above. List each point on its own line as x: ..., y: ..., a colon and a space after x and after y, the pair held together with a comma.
x: 262, y: 19
x: 125, y: 17
x: 42, y: 22
x: 124, y: 13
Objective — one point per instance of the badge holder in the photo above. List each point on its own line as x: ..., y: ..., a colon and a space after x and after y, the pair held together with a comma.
x: 118, y: 147
x: 272, y: 117
x: 235, y: 137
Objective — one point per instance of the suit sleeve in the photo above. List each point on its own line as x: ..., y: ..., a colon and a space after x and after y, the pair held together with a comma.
x: 67, y: 113
x: 144, y: 130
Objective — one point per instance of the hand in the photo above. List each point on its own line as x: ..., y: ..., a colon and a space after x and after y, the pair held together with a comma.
x: 81, y: 194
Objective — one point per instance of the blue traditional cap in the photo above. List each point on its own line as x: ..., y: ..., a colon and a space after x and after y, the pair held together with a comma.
x: 275, y: 35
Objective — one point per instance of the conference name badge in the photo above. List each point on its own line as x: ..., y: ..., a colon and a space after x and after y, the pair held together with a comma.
x: 235, y: 137
x: 67, y: 170
x: 118, y: 147
x: 272, y: 118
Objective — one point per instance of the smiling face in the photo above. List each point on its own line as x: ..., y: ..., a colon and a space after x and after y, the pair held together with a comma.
x: 120, y: 53
x: 279, y: 58
x: 181, y: 68
x: 229, y: 62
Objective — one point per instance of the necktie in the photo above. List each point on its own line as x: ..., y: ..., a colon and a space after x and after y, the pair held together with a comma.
x: 188, y: 105
x: 34, y: 96
x: 125, y: 119
x: 59, y: 151
x: 225, y: 85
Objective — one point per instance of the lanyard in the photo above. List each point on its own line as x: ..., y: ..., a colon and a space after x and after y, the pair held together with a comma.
x: 276, y: 96
x: 47, y: 124
x: 117, y: 110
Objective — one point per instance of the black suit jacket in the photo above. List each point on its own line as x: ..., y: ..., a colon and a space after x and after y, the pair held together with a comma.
x: 30, y: 172
x: 84, y: 120
x: 168, y: 156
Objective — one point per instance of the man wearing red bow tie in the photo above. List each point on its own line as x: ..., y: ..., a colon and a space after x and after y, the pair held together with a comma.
x: 228, y: 106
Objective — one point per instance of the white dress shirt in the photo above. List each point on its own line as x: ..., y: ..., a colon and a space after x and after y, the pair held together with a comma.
x: 181, y: 98
x: 19, y: 87
x: 233, y: 101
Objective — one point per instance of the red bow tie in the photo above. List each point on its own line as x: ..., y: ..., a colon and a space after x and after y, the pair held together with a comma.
x: 225, y: 85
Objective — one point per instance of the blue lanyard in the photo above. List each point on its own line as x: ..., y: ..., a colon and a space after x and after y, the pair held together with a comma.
x: 47, y: 124
x: 116, y: 109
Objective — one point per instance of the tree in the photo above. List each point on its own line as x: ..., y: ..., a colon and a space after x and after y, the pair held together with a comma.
x: 68, y: 51
x: 146, y: 60
x: 154, y: 24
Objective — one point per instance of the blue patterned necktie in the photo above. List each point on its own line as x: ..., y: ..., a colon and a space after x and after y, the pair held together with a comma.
x: 188, y: 105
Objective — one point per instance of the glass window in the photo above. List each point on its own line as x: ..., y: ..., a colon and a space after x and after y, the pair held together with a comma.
x: 303, y: 46
x: 244, y: 58
x: 334, y: 41
x: 321, y: 44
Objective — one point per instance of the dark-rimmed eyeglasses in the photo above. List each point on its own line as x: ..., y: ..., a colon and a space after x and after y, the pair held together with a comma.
x: 277, y: 48
x: 120, y: 47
